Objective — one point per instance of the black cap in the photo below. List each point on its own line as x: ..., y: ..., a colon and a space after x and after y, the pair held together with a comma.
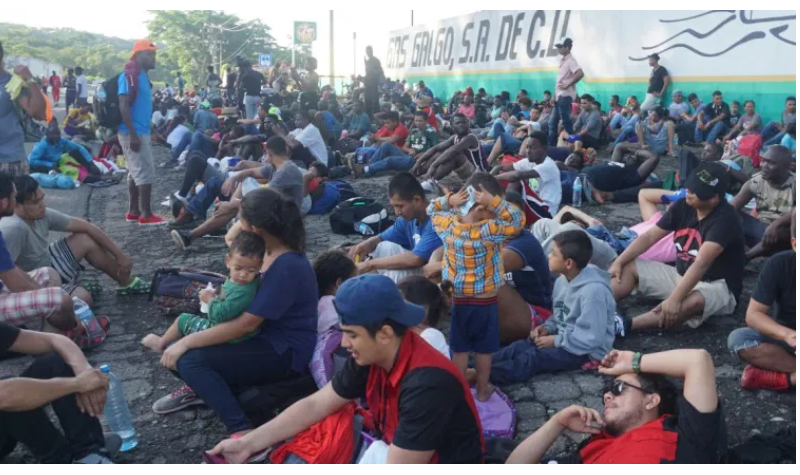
x: 567, y: 43
x: 654, y: 56
x: 708, y: 180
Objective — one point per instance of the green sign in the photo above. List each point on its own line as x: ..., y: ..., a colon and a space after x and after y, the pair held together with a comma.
x: 305, y: 32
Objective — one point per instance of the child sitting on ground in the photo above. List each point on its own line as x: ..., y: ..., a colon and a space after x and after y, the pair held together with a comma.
x: 421, y: 291
x: 332, y: 269
x: 238, y: 291
x: 473, y: 224
x: 582, y: 326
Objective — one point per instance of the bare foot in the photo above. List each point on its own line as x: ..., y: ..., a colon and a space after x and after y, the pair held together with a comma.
x: 153, y: 342
x: 471, y: 376
x: 599, y: 196
x: 484, y: 396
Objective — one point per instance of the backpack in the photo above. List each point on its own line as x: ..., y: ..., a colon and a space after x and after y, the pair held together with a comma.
x: 349, y: 214
x: 750, y: 146
x: 333, y: 193
x: 177, y: 290
x: 106, y: 108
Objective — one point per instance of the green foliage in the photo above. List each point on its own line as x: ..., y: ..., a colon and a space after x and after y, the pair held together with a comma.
x: 100, y: 56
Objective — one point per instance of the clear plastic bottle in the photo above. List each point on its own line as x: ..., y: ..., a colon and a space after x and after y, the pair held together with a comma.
x: 93, y: 329
x: 100, y: 93
x: 118, y: 416
x: 363, y: 229
x: 203, y: 305
x: 577, y: 193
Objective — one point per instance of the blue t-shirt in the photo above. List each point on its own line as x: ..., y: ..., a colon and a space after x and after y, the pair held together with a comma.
x: 6, y: 262
x: 532, y: 282
x: 142, y: 107
x: 12, y: 138
x: 422, y: 240
x: 287, y: 301
x: 359, y: 123
x: 205, y: 120
x: 790, y: 143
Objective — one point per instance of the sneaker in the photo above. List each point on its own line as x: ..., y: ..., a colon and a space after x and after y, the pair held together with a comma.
x: 132, y: 218
x: 177, y: 401
x: 153, y: 220
x: 622, y: 325
x: 755, y: 378
x: 176, y: 204
x: 182, y: 239
x: 429, y: 186
x: 184, y: 220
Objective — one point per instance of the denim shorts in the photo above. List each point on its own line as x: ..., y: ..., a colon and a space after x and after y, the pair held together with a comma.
x: 745, y: 338
x: 475, y: 326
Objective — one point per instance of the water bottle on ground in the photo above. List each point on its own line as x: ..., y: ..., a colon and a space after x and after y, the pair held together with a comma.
x: 93, y: 329
x: 118, y: 416
x: 577, y: 193
x: 363, y: 229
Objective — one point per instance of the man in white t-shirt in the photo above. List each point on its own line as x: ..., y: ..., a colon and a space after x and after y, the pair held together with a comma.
x: 539, y: 172
x: 81, y: 87
x: 305, y: 142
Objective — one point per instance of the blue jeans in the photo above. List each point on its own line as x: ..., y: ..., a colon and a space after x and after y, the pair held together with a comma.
x: 746, y: 338
x: 562, y: 112
x: 627, y: 133
x: 203, y: 200
x: 191, y: 142
x: 522, y: 360
x: 400, y: 163
x: 213, y: 371
x: 771, y: 135
x: 711, y: 134
x: 617, y: 122
x: 509, y: 144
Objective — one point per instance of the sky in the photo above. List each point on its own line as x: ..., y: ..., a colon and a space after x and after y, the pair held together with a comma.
x: 371, y: 27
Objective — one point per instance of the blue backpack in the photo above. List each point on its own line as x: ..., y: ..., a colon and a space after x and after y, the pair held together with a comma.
x: 334, y: 192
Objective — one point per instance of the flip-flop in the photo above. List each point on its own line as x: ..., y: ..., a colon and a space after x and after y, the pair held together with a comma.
x: 137, y: 287
x: 93, y: 288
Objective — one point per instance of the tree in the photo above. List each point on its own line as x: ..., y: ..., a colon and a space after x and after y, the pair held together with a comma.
x: 195, y: 39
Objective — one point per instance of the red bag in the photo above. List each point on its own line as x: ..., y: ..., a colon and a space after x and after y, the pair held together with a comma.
x: 750, y: 146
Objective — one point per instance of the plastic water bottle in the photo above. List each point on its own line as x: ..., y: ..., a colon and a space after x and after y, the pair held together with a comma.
x: 118, y: 416
x: 203, y: 305
x: 100, y: 93
x: 365, y: 140
x: 363, y: 229
x: 577, y: 193
x: 93, y: 329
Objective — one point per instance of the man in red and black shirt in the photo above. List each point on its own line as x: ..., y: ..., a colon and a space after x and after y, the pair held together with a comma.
x: 419, y: 405
x: 645, y: 421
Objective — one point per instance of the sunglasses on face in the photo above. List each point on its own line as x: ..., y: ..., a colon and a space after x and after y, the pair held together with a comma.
x: 616, y: 388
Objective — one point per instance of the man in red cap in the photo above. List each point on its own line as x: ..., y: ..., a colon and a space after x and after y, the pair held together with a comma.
x: 136, y: 108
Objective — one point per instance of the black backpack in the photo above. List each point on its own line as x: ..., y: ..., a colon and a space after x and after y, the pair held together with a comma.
x: 107, y: 111
x: 359, y: 210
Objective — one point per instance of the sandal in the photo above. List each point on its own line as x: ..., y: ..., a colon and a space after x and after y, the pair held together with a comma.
x: 80, y: 338
x: 137, y: 287
x: 93, y: 288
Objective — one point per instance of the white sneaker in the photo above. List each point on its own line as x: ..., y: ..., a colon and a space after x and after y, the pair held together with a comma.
x: 429, y: 186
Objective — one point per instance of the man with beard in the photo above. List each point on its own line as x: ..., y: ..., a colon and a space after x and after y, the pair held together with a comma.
x: 645, y: 419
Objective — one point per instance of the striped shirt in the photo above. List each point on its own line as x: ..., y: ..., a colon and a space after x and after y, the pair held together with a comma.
x: 472, y: 260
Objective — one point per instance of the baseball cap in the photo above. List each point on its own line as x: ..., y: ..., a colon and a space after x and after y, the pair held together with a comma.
x: 708, y: 180
x: 566, y: 43
x: 143, y: 45
x: 373, y: 298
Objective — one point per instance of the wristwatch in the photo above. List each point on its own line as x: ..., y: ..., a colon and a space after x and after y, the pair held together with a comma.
x: 637, y: 363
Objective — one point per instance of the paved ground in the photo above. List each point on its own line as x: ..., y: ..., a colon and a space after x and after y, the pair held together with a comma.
x: 180, y: 438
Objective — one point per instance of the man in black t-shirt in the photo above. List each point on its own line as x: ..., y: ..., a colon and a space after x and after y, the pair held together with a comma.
x: 644, y: 420
x: 63, y: 379
x: 659, y: 82
x: 707, y: 279
x: 419, y: 404
x: 711, y: 123
x: 768, y: 344
x: 251, y: 81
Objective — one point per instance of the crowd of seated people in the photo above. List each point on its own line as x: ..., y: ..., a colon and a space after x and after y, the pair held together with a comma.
x: 483, y: 239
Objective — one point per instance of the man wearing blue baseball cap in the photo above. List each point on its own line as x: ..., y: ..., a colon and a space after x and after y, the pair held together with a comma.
x: 421, y: 407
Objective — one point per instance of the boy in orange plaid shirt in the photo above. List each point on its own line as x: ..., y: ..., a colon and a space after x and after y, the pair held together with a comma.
x: 473, y: 224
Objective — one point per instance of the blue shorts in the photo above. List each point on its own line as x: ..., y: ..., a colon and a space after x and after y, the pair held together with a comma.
x: 475, y: 326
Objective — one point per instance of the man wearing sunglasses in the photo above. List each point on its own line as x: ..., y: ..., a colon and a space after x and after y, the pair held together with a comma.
x: 707, y: 278
x: 645, y: 420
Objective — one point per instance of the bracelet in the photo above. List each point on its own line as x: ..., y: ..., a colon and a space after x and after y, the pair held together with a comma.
x: 637, y: 363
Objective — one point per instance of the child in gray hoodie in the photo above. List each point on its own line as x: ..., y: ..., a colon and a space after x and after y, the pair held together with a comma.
x: 582, y: 326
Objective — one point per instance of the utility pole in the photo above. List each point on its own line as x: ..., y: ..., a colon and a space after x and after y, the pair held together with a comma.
x: 331, y: 81
x: 412, y: 17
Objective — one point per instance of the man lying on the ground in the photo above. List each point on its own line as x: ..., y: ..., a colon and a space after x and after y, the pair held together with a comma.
x: 461, y: 155
x: 774, y: 190
x: 407, y: 246
x: 535, y: 175
x: 61, y: 377
x: 391, y: 157
x: 280, y: 173
x: 27, y: 237
x: 47, y: 153
x: 707, y: 279
x: 769, y: 345
x: 645, y: 419
x: 603, y: 180
x: 34, y: 299
x: 422, y: 407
